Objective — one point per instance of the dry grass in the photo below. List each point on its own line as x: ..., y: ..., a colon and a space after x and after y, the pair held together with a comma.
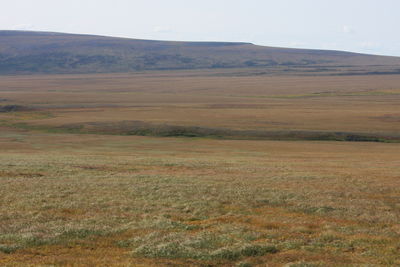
x: 70, y: 199
x: 365, y: 104
x: 98, y: 200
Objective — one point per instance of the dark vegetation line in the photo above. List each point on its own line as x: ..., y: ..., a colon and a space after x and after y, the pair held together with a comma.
x: 140, y: 128
x: 12, y: 108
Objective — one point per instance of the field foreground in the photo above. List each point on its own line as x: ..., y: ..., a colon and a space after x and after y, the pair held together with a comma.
x: 205, y: 168
x: 145, y: 201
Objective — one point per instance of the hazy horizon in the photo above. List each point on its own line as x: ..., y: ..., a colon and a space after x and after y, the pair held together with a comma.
x: 357, y: 26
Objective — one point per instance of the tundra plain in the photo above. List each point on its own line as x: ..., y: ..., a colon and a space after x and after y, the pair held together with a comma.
x: 200, y: 168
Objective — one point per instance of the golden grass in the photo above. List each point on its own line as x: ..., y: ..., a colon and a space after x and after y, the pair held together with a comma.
x: 367, y: 104
x: 70, y: 199
x: 119, y: 200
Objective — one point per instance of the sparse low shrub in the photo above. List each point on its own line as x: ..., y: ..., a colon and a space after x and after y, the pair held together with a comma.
x: 203, y: 246
x: 80, y: 233
x: 124, y: 243
x: 257, y: 250
x: 12, y: 108
x: 35, y: 241
x: 8, y: 249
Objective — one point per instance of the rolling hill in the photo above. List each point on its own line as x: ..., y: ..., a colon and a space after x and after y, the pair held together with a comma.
x: 23, y: 52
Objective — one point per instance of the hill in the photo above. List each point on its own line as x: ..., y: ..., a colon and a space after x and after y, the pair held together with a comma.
x: 46, y: 52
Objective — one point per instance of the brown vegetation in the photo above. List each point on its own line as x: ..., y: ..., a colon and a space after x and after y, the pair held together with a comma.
x: 72, y: 198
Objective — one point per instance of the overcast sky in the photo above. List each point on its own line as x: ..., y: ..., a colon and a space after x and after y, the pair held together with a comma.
x: 370, y: 26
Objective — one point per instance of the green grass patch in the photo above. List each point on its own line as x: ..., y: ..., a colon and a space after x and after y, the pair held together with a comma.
x: 145, y: 129
x: 203, y: 246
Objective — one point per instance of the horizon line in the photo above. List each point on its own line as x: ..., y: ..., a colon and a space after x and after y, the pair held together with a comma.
x: 191, y: 41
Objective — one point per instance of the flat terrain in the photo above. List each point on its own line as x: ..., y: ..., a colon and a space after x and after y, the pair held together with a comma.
x: 211, y: 100
x: 199, y: 168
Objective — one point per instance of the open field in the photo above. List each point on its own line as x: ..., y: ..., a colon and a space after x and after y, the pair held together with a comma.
x: 115, y: 103
x: 98, y: 170
x: 106, y: 200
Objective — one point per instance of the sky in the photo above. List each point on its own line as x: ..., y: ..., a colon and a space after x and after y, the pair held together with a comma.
x: 366, y: 26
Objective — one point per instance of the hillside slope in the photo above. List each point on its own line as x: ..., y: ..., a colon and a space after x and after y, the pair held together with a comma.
x: 45, y: 52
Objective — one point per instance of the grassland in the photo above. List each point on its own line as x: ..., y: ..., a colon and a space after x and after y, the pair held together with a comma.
x: 363, y: 105
x: 79, y: 189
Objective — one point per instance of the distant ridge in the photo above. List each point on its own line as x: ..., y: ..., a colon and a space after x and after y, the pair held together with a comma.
x: 27, y: 52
